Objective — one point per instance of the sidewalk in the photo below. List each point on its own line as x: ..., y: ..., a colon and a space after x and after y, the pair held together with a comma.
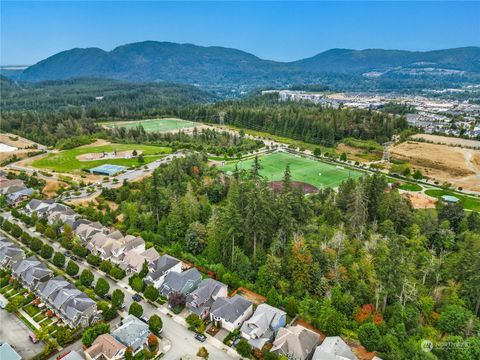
x: 29, y: 319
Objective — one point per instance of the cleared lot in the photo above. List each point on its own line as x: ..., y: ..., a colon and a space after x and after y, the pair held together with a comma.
x: 15, y: 332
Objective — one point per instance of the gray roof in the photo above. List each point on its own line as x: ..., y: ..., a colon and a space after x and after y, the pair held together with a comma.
x: 183, y: 282
x: 297, y: 342
x: 132, y: 333
x: 230, y: 309
x: 260, y: 324
x: 160, y: 266
x: 333, y: 348
x: 23, y: 192
x: 65, y: 297
x: 9, y: 250
x: 31, y: 269
x: 203, y: 297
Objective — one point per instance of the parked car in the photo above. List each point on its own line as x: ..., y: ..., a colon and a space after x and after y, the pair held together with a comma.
x: 32, y: 337
x: 108, y: 296
x: 122, y: 306
x: 200, y: 337
x: 136, y: 298
x: 67, y: 253
x: 74, y: 258
x: 144, y: 319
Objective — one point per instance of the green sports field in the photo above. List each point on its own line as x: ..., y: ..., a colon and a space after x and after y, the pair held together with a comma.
x: 66, y: 161
x: 316, y: 173
x: 153, y: 125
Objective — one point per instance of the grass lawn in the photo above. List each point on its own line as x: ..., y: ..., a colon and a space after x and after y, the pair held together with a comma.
x: 153, y: 125
x: 317, y: 173
x: 66, y: 161
x: 410, y: 187
x: 31, y: 310
x: 469, y: 203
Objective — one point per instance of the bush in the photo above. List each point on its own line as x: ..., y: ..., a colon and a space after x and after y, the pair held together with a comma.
x: 453, y: 319
x: 136, y: 309
x: 105, y: 266
x: 203, y: 353
x: 93, y: 259
x: 59, y: 260
x: 80, y: 251
x: 86, y: 278
x: 151, y: 293
x: 118, y: 298
x: 72, y: 268
x: 117, y: 273
x: 155, y: 324
x: 244, y: 348
x: 369, y: 336
x: 92, y: 332
x: 102, y: 287
x: 46, y: 252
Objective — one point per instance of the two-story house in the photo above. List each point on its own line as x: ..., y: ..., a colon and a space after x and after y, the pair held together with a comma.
x: 201, y: 299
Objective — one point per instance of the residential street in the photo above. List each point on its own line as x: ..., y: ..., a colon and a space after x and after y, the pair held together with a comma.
x: 183, y: 343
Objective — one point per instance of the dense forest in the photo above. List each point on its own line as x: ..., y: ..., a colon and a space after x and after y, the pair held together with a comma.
x: 301, y: 121
x: 51, y: 111
x: 361, y: 262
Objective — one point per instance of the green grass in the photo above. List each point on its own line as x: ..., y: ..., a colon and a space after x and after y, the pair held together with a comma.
x: 302, y: 169
x: 469, y: 203
x: 66, y: 161
x: 153, y: 125
x: 410, y: 187
x: 31, y: 310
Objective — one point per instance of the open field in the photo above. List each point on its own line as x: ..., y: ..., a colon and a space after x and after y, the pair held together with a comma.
x: 66, y: 161
x: 16, y: 146
x: 316, y: 173
x: 153, y: 125
x: 442, y: 163
x: 447, y: 140
x: 469, y: 203
x: 410, y: 187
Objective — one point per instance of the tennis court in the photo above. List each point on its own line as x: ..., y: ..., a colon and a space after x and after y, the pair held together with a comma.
x: 317, y: 173
x: 153, y: 125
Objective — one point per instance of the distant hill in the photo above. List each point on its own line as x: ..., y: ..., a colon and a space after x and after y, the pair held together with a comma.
x: 229, y: 70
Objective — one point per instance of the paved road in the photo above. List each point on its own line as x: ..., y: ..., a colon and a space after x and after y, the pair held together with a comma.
x: 183, y: 343
x: 116, y: 181
x: 15, y: 332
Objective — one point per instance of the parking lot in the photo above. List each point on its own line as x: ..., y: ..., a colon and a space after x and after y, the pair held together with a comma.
x: 15, y: 332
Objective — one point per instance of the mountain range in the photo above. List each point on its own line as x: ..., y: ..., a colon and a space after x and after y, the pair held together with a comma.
x: 229, y: 70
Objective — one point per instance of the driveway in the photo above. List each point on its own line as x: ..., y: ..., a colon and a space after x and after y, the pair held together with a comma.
x: 15, y: 332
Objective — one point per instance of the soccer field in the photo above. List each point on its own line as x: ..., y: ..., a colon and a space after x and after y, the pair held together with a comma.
x: 153, y: 125
x: 317, y: 173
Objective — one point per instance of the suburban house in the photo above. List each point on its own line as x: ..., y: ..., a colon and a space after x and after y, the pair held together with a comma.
x: 73, y: 306
x: 101, y: 245
x: 71, y: 355
x: 9, y: 253
x: 132, y: 333
x: 133, y: 261
x: 183, y: 283
x: 85, y: 229
x: 105, y: 347
x: 201, y: 299
x: 10, y: 186
x: 19, y: 196
x: 126, y: 244
x: 295, y: 342
x: 39, y: 207
x: 334, y: 348
x: 8, y: 353
x: 263, y: 325
x: 160, y: 268
x: 31, y: 272
x: 61, y: 213
x: 230, y: 313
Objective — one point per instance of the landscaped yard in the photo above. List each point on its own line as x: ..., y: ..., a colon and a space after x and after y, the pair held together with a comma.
x: 153, y: 125
x: 66, y: 161
x: 469, y: 203
x: 317, y: 173
x: 410, y: 187
x: 31, y: 310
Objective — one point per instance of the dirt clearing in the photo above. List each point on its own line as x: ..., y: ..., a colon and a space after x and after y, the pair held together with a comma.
x: 442, y: 163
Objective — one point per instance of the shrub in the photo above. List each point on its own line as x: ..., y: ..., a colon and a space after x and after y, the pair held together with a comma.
x: 86, y: 278
x: 136, y: 309
x: 46, y: 252
x: 102, y: 287
x: 72, y: 268
x: 151, y: 293
x: 59, y: 260
x: 155, y: 324
x: 369, y: 336
x: 244, y: 348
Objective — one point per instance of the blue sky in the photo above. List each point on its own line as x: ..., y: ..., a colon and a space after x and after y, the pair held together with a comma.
x: 32, y: 31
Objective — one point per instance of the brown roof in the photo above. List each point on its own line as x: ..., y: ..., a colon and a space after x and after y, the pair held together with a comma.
x: 105, y: 344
